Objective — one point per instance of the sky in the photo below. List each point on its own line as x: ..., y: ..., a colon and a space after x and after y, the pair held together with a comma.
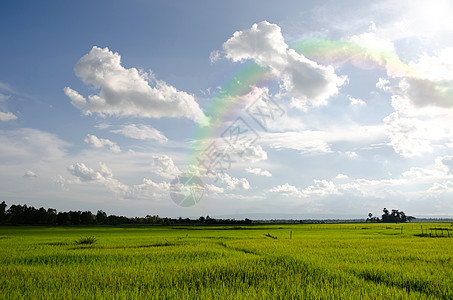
x: 259, y: 109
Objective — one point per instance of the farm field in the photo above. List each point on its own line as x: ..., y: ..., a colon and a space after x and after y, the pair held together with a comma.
x: 319, y: 261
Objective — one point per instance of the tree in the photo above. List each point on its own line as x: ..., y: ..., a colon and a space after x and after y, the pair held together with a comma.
x: 75, y: 217
x: 101, y: 217
x: 63, y: 218
x: 395, y: 217
x: 3, y: 213
x: 51, y: 216
x: 410, y: 218
x: 41, y: 216
x: 86, y: 218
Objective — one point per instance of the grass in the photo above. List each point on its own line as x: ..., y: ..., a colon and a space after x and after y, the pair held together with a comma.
x: 325, y: 261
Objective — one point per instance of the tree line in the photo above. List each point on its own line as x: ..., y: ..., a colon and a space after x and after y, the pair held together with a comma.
x: 395, y: 216
x: 29, y: 215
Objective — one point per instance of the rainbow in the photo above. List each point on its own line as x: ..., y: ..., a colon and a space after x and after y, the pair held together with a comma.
x: 226, y: 104
x: 328, y: 51
x: 439, y: 92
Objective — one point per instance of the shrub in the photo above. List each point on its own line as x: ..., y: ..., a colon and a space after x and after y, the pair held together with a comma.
x: 88, y: 240
x: 270, y: 236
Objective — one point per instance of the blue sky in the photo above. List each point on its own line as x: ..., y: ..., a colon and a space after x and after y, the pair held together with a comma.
x: 104, y: 104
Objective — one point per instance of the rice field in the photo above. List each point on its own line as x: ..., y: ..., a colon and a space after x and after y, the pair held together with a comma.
x: 322, y: 261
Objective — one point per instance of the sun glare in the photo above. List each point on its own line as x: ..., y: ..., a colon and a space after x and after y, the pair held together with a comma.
x: 434, y: 15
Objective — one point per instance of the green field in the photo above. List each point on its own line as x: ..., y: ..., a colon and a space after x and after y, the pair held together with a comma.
x: 325, y: 261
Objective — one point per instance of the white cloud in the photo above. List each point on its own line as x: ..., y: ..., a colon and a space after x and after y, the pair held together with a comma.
x: 128, y: 92
x: 30, y: 145
x: 341, y: 176
x: 302, y: 79
x: 425, y: 83
x: 414, y: 128
x: 5, y: 117
x: 320, y: 188
x: 379, y: 188
x: 252, y: 153
x: 356, y: 101
x: 447, y: 161
x: 258, y: 171
x: 425, y: 92
x: 149, y: 190
x: 383, y: 84
x: 214, y: 189
x: 30, y: 174
x: 412, y: 184
x: 439, y: 188
x: 373, y: 40
x: 214, y: 56
x: 234, y: 183
x: 164, y: 166
x: 287, y: 190
x: 408, y: 136
x: 86, y: 174
x: 103, y: 175
x: 307, y: 142
x: 351, y: 154
x: 102, y: 143
x: 141, y: 132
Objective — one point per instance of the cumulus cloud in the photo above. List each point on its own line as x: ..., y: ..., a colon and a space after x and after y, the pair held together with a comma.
x: 447, y: 161
x: 164, y: 166
x: 373, y: 39
x: 128, y: 92
x: 141, y: 132
x: 252, y: 153
x: 30, y: 174
x: 214, y: 189
x: 429, y: 81
x: 351, y: 154
x: 425, y: 92
x: 86, y: 174
x: 99, y: 143
x: 425, y: 82
x: 234, y: 183
x: 408, y: 136
x: 5, y: 117
x: 439, y: 188
x: 149, y: 189
x: 356, y: 101
x: 104, y: 175
x: 258, y: 171
x: 287, y: 190
x: 319, y: 188
x: 214, y: 56
x: 383, y: 84
x: 341, y: 176
x: 303, y: 80
x: 412, y: 129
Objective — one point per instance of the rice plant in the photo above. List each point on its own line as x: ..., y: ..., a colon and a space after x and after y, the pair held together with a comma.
x: 325, y: 261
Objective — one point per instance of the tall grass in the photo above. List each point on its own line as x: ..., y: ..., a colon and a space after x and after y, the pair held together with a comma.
x: 319, y: 262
